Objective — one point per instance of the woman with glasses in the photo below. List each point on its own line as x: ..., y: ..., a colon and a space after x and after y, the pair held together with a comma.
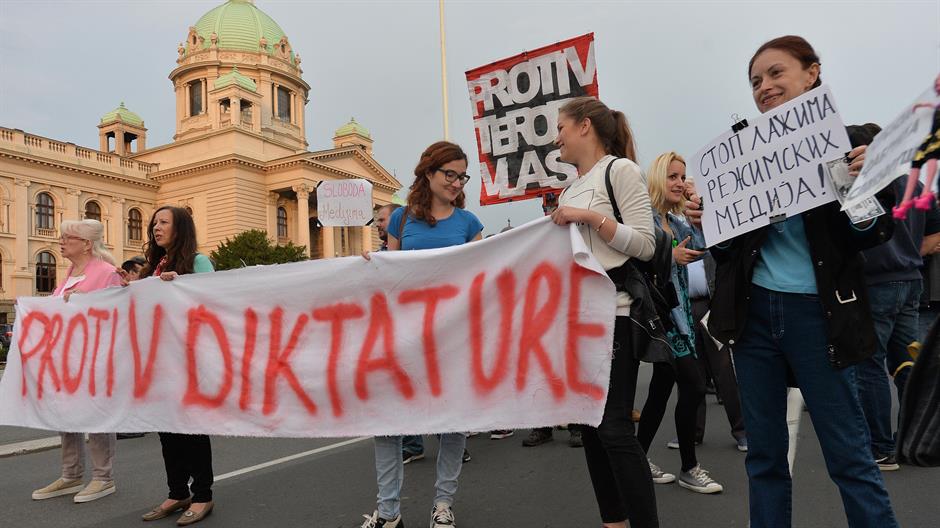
x: 92, y: 268
x: 434, y: 218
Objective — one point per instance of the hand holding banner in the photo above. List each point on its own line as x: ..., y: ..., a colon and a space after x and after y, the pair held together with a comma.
x: 514, y: 331
x: 775, y: 166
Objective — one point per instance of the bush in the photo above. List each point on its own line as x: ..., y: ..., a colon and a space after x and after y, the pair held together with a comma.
x: 251, y: 248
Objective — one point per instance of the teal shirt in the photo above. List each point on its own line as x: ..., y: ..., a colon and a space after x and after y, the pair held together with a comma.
x: 784, y: 264
x: 202, y: 264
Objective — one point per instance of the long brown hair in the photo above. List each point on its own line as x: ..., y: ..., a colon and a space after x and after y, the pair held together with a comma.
x: 433, y: 157
x: 611, y: 126
x: 182, y: 251
x: 797, y: 47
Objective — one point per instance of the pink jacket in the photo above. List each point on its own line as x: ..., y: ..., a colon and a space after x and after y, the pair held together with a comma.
x: 98, y: 274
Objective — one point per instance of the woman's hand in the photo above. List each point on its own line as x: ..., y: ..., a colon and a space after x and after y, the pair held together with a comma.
x: 683, y: 255
x: 169, y: 275
x: 67, y: 294
x: 125, y: 277
x: 693, y: 210
x: 367, y: 255
x: 565, y: 215
x: 857, y: 160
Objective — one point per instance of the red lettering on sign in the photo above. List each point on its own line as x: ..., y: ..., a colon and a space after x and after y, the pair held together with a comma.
x: 576, y: 330
x: 98, y: 316
x: 535, y: 322
x: 25, y: 326
x: 430, y: 297
x: 506, y: 284
x: 251, y: 336
x: 71, y: 384
x: 381, y: 321
x: 143, y: 376
x: 197, y: 318
x: 336, y: 315
x: 279, y: 363
x: 45, y: 361
x: 110, y: 380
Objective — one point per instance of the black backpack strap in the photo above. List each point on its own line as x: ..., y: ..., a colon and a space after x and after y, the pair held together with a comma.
x: 610, y: 192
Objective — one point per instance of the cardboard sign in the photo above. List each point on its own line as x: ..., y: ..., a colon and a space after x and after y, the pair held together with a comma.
x: 511, y: 332
x: 515, y: 113
x: 344, y: 202
x: 771, y: 169
x: 889, y: 156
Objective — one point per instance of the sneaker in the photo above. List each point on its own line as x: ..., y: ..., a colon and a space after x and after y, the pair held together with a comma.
x: 407, y: 458
x: 887, y: 462
x: 697, y: 479
x: 466, y: 456
x: 674, y: 443
x: 742, y: 444
x: 442, y: 516
x: 374, y: 521
x: 575, y: 439
x: 660, y: 476
x: 499, y: 434
x: 95, y: 490
x: 58, y: 488
x: 538, y: 437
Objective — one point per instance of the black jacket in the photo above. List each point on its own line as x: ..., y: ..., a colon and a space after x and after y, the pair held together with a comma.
x: 835, y: 247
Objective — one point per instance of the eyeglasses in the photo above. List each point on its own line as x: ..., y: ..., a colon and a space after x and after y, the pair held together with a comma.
x: 66, y: 238
x: 452, y: 176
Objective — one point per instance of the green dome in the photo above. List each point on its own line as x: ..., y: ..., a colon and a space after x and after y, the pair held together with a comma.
x: 239, y: 25
x: 352, y: 127
x: 235, y: 77
x: 122, y: 114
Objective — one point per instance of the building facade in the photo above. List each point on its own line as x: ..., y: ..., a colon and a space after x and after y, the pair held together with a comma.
x: 238, y: 161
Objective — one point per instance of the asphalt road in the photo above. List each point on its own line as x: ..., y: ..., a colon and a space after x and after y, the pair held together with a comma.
x: 505, y: 485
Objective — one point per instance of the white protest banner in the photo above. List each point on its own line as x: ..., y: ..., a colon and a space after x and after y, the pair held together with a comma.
x: 515, y: 113
x: 514, y: 331
x: 344, y: 202
x: 775, y: 166
x: 889, y: 156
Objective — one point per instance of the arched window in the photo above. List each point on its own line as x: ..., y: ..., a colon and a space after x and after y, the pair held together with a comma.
x: 45, y: 273
x: 45, y: 211
x: 281, y: 222
x: 93, y: 211
x: 135, y: 225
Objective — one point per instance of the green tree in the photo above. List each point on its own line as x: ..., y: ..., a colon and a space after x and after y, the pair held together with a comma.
x: 251, y: 248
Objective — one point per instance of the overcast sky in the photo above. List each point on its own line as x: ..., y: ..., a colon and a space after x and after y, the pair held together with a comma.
x: 677, y: 69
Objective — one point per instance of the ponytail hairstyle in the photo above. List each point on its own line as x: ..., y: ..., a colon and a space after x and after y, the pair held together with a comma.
x: 795, y: 46
x: 611, y: 126
x: 419, y: 199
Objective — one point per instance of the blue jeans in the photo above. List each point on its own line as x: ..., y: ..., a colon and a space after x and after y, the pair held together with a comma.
x: 789, y: 330
x: 412, y: 444
x: 894, y: 311
x: 389, y: 471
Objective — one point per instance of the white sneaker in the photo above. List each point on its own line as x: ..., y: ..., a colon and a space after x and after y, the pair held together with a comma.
x: 58, y: 488
x: 374, y: 521
x: 95, y: 490
x: 698, y: 480
x: 660, y: 476
x: 442, y: 516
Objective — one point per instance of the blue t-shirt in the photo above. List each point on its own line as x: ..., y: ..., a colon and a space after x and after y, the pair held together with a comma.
x: 459, y: 228
x: 785, y: 264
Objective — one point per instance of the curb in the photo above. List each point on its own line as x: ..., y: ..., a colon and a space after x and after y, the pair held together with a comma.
x: 30, y: 446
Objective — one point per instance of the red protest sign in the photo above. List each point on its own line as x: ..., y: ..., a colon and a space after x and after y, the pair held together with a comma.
x: 515, y: 113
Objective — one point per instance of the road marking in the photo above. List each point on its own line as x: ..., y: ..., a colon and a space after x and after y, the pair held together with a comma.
x: 282, y: 460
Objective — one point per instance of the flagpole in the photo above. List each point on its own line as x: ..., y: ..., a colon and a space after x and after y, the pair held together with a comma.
x: 444, y: 70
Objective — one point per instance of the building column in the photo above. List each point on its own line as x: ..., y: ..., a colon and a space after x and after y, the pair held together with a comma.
x: 186, y: 105
x: 72, y: 204
x: 301, y: 103
x: 273, y: 197
x: 293, y: 112
x: 367, y: 238
x: 22, y: 274
x: 328, y: 239
x: 119, y: 143
x: 274, y: 94
x: 117, y: 228
x: 235, y: 108
x: 205, y: 95
x: 303, y: 216
x: 103, y: 142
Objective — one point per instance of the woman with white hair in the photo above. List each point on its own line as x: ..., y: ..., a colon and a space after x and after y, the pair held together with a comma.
x: 92, y: 268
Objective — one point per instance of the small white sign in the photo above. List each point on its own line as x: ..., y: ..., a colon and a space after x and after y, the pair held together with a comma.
x: 344, y: 203
x: 775, y: 166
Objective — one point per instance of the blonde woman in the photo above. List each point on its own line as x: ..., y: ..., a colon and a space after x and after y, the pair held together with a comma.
x: 92, y: 268
x: 666, y: 181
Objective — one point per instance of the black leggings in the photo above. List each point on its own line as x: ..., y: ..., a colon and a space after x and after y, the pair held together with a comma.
x: 186, y: 456
x: 691, y: 393
x: 619, y: 472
